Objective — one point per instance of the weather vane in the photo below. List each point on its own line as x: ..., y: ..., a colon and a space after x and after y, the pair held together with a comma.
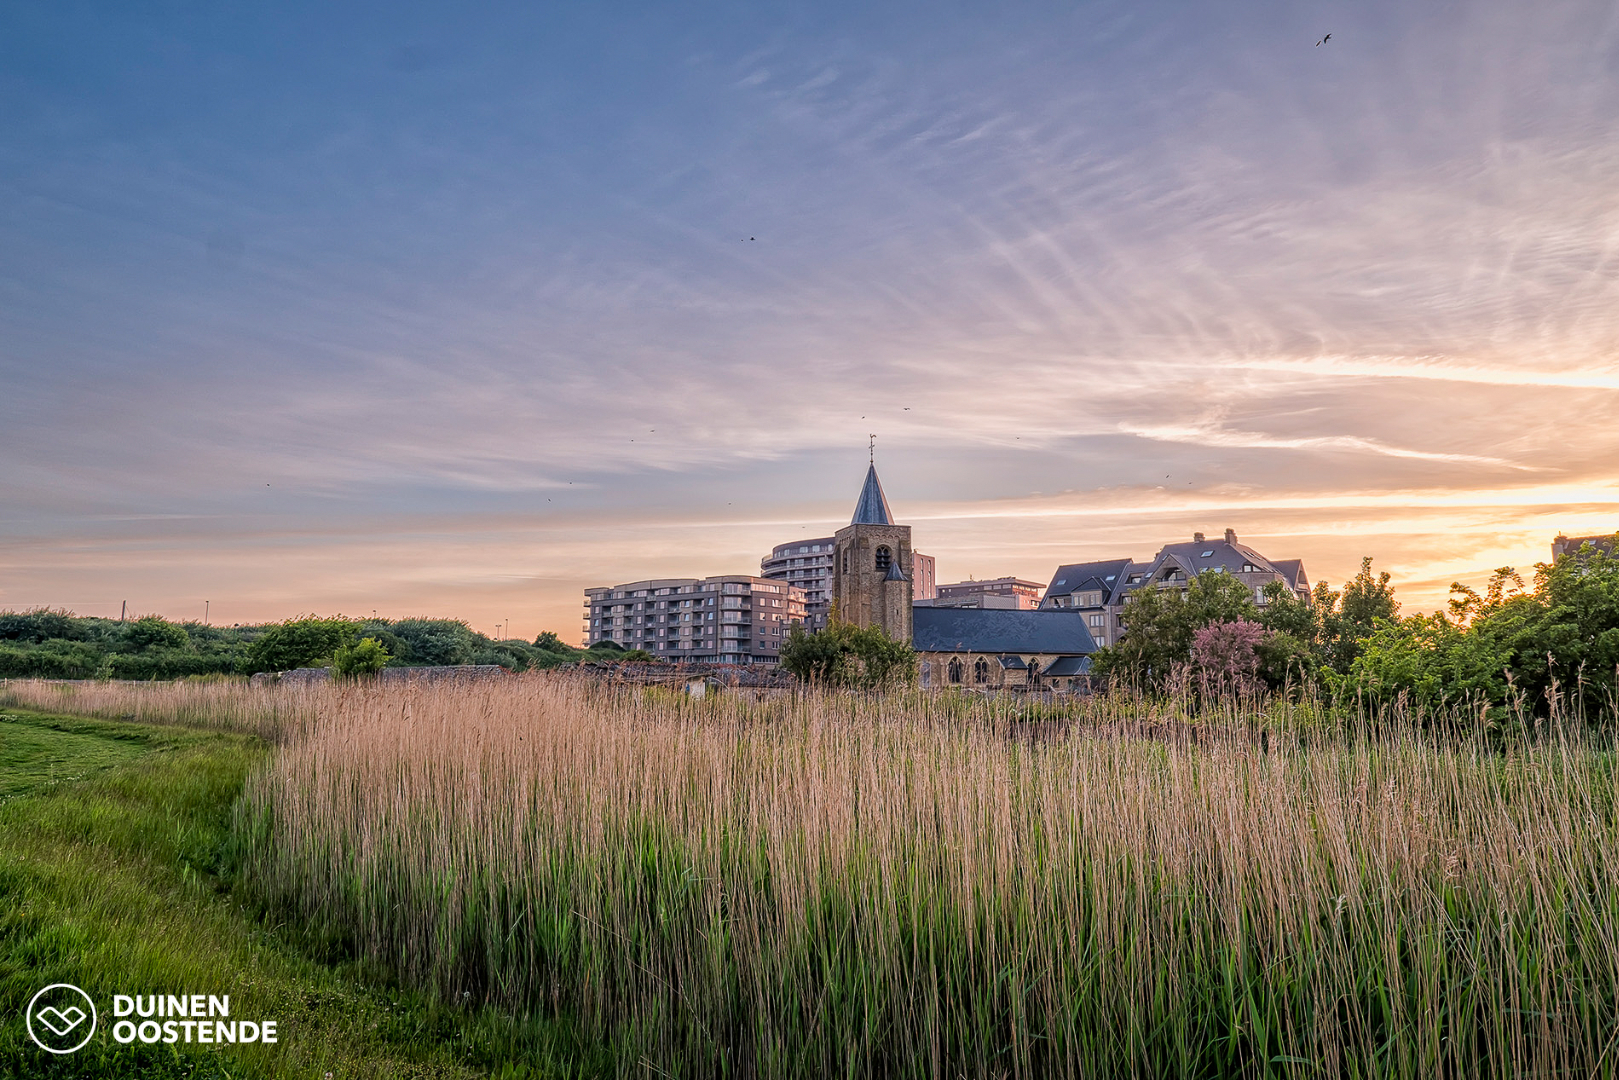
x: 872, y: 450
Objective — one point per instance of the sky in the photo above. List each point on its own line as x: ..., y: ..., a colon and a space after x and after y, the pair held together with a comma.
x: 457, y: 310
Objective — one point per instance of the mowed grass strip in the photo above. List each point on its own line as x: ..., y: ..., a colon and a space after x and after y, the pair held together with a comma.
x: 115, y: 872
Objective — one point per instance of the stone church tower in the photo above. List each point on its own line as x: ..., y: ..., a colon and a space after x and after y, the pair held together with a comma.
x: 871, y: 566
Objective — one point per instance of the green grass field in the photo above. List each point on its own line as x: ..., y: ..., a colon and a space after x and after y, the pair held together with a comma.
x: 116, y: 874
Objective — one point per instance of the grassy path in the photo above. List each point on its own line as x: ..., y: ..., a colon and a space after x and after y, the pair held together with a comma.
x: 115, y: 873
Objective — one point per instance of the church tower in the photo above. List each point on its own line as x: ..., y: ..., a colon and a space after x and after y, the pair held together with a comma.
x: 871, y: 565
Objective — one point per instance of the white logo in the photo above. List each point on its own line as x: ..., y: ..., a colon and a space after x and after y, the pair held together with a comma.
x: 55, y: 1018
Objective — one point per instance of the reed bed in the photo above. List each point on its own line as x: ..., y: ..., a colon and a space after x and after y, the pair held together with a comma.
x: 905, y: 886
x: 221, y: 703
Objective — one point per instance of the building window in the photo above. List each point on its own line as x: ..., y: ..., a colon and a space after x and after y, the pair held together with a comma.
x: 955, y: 669
x: 885, y: 558
x: 981, y: 671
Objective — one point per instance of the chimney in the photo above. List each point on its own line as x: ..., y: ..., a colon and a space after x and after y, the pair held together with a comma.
x: 1231, y: 536
x: 1197, y: 538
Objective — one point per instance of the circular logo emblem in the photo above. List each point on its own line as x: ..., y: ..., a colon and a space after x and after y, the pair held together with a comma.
x: 61, y: 1018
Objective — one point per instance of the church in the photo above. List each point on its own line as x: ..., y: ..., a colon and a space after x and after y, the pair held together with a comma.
x: 986, y: 649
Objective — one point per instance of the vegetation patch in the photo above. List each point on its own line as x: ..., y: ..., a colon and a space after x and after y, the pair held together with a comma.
x: 118, y: 868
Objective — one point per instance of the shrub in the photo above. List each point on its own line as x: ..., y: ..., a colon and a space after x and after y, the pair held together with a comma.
x: 153, y: 631
x: 367, y: 657
x: 306, y: 642
x: 847, y: 655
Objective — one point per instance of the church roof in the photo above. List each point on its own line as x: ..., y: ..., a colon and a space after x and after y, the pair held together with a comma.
x: 872, y: 509
x: 999, y: 630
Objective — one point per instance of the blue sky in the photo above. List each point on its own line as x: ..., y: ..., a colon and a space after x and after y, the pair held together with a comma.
x: 423, y: 309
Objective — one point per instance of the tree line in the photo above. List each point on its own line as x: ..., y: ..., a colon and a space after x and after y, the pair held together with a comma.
x: 54, y: 644
x: 1527, y: 647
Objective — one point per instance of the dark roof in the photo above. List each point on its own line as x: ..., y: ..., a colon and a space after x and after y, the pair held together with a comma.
x: 1013, y: 663
x: 1291, y: 569
x: 1104, y: 576
x: 998, y: 630
x: 1197, y: 556
x: 872, y: 509
x: 1069, y: 665
x: 895, y: 573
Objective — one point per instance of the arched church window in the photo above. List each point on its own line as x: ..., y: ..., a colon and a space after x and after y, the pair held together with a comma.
x: 885, y: 558
x: 981, y: 670
x: 955, y: 669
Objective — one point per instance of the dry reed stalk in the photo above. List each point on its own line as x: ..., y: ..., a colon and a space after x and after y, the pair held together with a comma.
x: 878, y: 885
x: 905, y: 885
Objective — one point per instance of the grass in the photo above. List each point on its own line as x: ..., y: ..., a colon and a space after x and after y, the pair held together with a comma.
x: 116, y: 867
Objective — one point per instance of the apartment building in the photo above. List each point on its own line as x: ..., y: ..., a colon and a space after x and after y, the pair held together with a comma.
x: 1100, y: 590
x: 807, y: 565
x: 731, y: 619
x: 1006, y: 593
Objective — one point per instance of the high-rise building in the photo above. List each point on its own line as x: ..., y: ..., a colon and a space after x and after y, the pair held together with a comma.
x: 808, y: 565
x: 731, y: 619
x: 871, y: 555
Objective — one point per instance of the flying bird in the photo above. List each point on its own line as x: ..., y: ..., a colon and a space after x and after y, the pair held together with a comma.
x: 1323, y: 41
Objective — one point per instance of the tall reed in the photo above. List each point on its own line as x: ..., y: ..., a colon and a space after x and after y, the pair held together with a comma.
x: 902, y: 885
x: 227, y: 704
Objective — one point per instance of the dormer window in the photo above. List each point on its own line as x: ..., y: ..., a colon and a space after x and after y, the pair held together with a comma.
x: 1247, y: 567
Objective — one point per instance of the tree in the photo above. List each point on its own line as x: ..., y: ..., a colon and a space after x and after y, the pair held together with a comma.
x: 366, y: 657
x: 1159, y: 625
x: 1560, y: 641
x: 1226, y: 659
x: 547, y: 641
x: 306, y: 642
x: 846, y: 655
x: 1361, y: 607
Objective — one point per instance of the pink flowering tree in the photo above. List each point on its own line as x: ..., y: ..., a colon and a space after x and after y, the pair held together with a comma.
x: 1225, y: 658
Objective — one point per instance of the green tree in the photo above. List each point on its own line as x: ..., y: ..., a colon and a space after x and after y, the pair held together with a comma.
x: 1159, y: 625
x: 306, y: 642
x: 365, y: 657
x: 846, y: 655
x: 1364, y: 603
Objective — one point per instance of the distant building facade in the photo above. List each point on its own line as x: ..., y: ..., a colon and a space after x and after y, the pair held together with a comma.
x: 924, y: 578
x: 731, y: 619
x: 1007, y: 593
x: 1568, y: 545
x: 998, y: 649
x: 1099, y: 591
x: 808, y: 565
x: 871, y: 557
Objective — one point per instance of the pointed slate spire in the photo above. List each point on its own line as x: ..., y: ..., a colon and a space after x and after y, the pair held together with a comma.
x: 872, y: 509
